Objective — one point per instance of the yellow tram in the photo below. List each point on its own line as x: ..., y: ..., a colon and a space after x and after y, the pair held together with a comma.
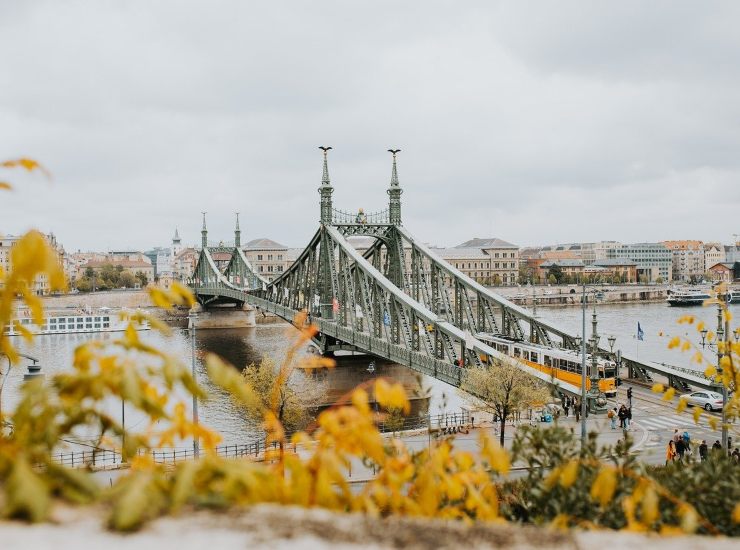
x: 560, y: 364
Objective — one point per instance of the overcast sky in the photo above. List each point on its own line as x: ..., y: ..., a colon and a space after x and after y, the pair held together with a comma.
x: 535, y: 122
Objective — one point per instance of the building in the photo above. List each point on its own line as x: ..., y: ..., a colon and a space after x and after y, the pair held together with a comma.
x: 183, y: 265
x: 595, y: 252
x: 504, y: 260
x: 572, y: 270
x: 653, y: 261
x: 688, y: 260
x: 618, y: 269
x: 473, y: 262
x: 268, y: 257
x: 41, y: 285
x: 724, y: 272
x: 714, y: 253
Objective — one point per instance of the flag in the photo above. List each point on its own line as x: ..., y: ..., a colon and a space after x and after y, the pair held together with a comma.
x: 386, y: 318
x: 334, y: 305
x: 640, y: 333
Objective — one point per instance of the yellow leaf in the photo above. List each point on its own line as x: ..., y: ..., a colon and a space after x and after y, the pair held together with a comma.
x: 658, y: 388
x: 5, y: 185
x: 569, y: 474
x: 713, y: 423
x: 604, y: 485
x: 736, y: 513
x: 650, y: 506
x: 725, y: 362
x: 710, y: 371
x: 700, y: 326
x: 686, y: 319
x: 391, y: 396
x: 674, y: 342
x: 160, y: 298
x: 496, y: 455
x: 686, y: 346
x: 669, y: 393
x: 183, y: 294
x: 26, y: 495
x: 689, y: 518
x: 697, y: 414
x: 682, y: 404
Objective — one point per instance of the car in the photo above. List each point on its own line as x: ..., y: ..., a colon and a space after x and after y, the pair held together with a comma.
x: 707, y: 400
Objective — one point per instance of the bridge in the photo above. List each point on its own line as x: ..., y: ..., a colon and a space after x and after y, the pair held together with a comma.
x: 397, y: 300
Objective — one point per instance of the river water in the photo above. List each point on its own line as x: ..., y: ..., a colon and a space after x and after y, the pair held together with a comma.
x: 244, y: 346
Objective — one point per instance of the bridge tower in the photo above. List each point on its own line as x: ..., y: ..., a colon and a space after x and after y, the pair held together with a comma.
x: 204, y: 233
x: 325, y: 191
x: 237, y: 233
x: 394, y: 193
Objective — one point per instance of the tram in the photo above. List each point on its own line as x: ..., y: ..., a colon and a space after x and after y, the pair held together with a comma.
x: 560, y: 364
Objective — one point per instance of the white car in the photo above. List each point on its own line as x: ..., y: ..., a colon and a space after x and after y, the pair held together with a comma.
x: 708, y: 400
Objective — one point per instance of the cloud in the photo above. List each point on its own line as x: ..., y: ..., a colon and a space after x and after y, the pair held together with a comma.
x: 532, y: 122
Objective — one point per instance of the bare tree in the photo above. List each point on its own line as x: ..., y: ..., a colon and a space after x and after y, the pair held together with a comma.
x: 503, y: 389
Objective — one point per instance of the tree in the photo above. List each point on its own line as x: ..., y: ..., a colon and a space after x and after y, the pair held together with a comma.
x: 556, y: 271
x: 127, y: 280
x: 552, y: 279
x: 141, y: 277
x: 659, y: 280
x: 83, y: 285
x: 496, y: 280
x: 502, y: 390
x: 89, y: 272
x: 293, y: 404
x: 643, y: 279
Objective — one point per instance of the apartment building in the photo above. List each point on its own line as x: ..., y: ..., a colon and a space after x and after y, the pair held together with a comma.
x: 653, y: 261
x: 41, y: 284
x: 688, y: 261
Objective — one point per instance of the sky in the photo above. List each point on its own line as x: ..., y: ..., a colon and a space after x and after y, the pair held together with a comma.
x: 535, y: 122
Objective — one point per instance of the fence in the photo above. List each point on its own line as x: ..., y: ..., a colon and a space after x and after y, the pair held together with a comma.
x: 108, y: 458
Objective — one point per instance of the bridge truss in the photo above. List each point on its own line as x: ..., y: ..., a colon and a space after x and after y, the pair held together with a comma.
x: 397, y: 299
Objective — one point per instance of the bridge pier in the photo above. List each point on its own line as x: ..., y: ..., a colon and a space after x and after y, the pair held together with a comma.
x: 224, y: 317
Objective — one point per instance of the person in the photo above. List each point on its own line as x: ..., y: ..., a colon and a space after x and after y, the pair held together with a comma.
x: 622, y: 414
x: 577, y: 410
x: 717, y: 447
x: 703, y: 450
x: 670, y: 453
x: 680, y: 448
x: 687, y: 441
x: 612, y: 416
x: 736, y: 456
x: 566, y: 405
x: 628, y: 418
x: 676, y: 436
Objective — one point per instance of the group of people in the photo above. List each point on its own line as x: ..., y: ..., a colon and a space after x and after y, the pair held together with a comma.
x: 623, y: 414
x: 679, y: 446
x: 572, y: 403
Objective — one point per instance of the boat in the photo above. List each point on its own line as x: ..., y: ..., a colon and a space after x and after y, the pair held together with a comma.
x: 75, y: 321
x: 687, y: 297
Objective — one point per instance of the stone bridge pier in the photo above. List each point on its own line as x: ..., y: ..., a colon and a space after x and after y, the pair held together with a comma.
x: 224, y: 317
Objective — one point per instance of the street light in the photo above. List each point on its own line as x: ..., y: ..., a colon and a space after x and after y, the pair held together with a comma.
x: 34, y: 371
x: 612, y: 339
x: 192, y: 316
x: 722, y: 334
x: 704, y: 333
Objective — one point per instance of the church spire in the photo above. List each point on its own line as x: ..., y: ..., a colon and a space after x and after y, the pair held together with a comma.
x: 326, y: 190
x: 176, y: 238
x: 394, y: 192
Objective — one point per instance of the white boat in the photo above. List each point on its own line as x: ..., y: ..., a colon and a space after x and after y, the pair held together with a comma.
x: 75, y: 321
x: 687, y: 297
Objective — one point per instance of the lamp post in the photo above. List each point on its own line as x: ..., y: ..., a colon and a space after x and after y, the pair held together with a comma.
x: 704, y: 333
x: 722, y: 333
x: 192, y: 316
x: 583, y: 365
x: 34, y: 371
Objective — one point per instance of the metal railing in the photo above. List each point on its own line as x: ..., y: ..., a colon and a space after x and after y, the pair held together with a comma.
x: 340, y: 217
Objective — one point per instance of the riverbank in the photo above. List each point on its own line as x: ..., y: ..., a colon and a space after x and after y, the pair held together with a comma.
x: 570, y: 295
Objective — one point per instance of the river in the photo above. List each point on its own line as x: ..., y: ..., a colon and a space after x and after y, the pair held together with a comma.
x: 244, y: 346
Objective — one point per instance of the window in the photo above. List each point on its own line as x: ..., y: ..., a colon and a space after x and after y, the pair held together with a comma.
x: 269, y: 269
x: 269, y: 257
x: 106, y: 325
x: 495, y: 255
x: 548, y: 361
x: 97, y: 319
x: 280, y: 256
x: 97, y: 325
x: 517, y: 352
x: 279, y: 268
x: 261, y: 268
x: 259, y: 257
x: 88, y: 325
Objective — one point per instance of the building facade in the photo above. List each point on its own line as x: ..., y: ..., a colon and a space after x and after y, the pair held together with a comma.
x: 653, y: 261
x: 714, y: 253
x: 503, y: 265
x: 688, y: 263
x: 268, y: 257
x: 40, y: 285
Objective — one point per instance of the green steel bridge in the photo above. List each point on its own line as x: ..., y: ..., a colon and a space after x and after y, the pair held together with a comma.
x: 398, y: 300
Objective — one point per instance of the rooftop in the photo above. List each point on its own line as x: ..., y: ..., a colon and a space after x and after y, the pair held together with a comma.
x: 264, y: 244
x: 562, y: 263
x: 486, y: 243
x: 462, y: 253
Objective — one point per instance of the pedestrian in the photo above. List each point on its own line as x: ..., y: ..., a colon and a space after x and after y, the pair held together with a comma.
x: 676, y: 436
x: 566, y: 405
x: 628, y: 418
x: 670, y: 453
x: 687, y: 442
x: 736, y: 456
x: 577, y: 410
x: 612, y: 416
x: 717, y: 447
x: 703, y: 450
x: 622, y: 414
x: 680, y: 449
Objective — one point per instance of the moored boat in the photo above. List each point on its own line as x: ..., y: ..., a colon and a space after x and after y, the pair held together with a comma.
x: 73, y: 321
